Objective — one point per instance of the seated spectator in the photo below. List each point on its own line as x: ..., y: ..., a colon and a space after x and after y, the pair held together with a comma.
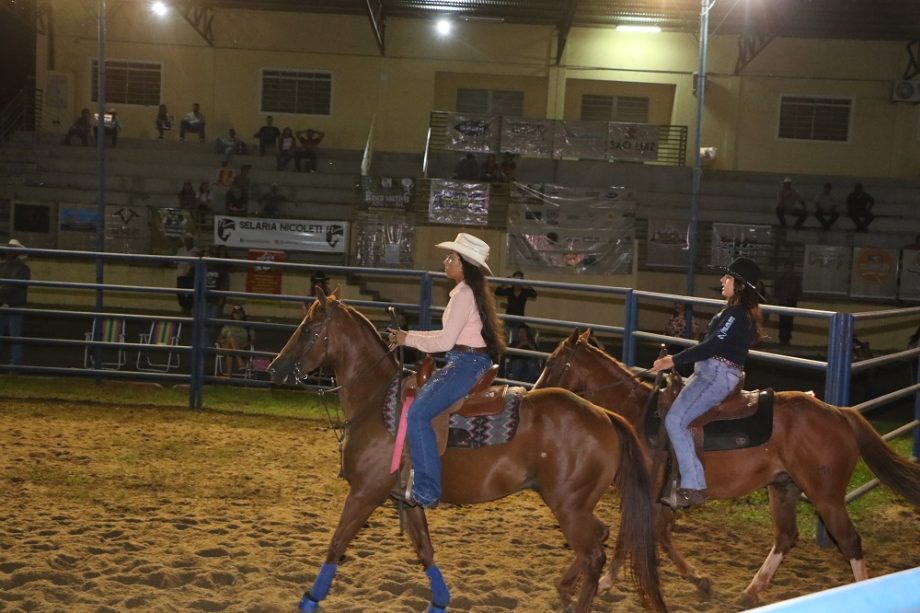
x: 268, y: 136
x: 270, y: 202
x: 111, y: 124
x: 81, y: 128
x: 235, y: 337
x: 522, y: 367
x: 467, y: 168
x: 193, y: 122
x: 859, y: 208
x: 163, y: 121
x: 789, y: 202
x: 490, y: 170
x: 188, y: 199
x: 309, y: 143
x: 228, y: 146
x: 237, y: 199
x: 203, y: 196
x: 508, y: 167
x: 826, y: 207
x: 287, y: 146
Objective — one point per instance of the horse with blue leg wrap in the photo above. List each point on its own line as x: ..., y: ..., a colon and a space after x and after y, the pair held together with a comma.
x: 566, y: 448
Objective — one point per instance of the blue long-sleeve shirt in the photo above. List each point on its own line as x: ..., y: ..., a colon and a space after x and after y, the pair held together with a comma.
x: 730, y: 335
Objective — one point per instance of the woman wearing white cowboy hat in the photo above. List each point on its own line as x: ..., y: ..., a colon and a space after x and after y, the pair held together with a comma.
x: 718, y: 362
x: 472, y: 336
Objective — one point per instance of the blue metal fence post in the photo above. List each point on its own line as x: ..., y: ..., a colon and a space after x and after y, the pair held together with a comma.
x: 199, y: 335
x: 424, y: 303
x: 629, y: 326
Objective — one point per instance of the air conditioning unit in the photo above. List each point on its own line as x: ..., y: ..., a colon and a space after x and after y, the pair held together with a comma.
x: 905, y: 91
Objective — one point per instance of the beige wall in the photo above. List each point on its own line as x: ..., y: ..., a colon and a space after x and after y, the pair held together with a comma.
x: 420, y: 72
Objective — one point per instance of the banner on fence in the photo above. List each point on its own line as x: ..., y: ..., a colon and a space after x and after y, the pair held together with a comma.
x: 285, y: 234
x: 580, y: 139
x: 827, y: 269
x: 458, y: 203
x: 264, y: 279
x: 126, y: 230
x: 668, y: 244
x: 473, y: 132
x: 731, y: 240
x: 562, y: 229
x: 874, y: 273
x: 910, y: 275
x: 636, y: 142
x: 531, y: 137
x: 384, y: 240
x: 387, y: 192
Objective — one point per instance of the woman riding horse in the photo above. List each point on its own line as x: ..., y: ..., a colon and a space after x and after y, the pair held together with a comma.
x: 471, y: 334
x: 719, y: 360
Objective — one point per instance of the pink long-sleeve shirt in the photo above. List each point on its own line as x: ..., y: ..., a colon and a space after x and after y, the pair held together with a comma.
x: 461, y: 325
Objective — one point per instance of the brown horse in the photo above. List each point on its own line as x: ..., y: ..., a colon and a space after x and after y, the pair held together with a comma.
x: 813, y: 449
x: 567, y: 449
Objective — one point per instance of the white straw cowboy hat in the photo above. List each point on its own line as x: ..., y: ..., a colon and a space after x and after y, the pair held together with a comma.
x: 15, y: 243
x: 470, y: 248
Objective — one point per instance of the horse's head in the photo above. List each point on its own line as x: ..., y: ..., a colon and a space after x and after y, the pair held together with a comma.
x: 309, y: 345
x: 560, y: 369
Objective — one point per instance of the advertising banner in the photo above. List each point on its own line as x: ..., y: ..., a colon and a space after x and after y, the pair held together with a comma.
x: 387, y: 192
x: 281, y: 234
x: 637, y: 142
x: 77, y: 227
x: 458, y: 203
x: 731, y: 240
x: 264, y: 279
x: 580, y: 139
x: 827, y: 269
x: 384, y: 240
x: 531, y: 137
x: 668, y: 243
x: 910, y: 275
x: 126, y: 230
x: 477, y: 133
x: 874, y: 273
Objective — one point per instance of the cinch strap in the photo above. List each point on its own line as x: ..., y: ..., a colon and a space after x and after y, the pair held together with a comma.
x: 400, y: 434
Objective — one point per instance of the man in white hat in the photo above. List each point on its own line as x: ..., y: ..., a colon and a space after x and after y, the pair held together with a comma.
x: 13, y: 296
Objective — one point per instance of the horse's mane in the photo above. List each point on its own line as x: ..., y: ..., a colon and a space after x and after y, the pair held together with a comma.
x: 362, y: 319
x: 616, y: 364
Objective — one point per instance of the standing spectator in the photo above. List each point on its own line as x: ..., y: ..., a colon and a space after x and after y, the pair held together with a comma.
x: 508, y: 167
x: 163, y: 121
x: 204, y: 196
x: 185, y: 273
x: 268, y: 135
x: 193, y: 122
x: 523, y: 367
x: 826, y: 207
x: 270, y: 202
x: 788, y: 290
x: 318, y: 281
x: 490, y: 170
x: 237, y: 199
x: 81, y: 128
x: 309, y: 142
x: 228, y: 146
x: 859, y: 208
x: 789, y: 202
x: 218, y: 279
x: 517, y: 296
x: 467, y: 168
x: 287, y: 148
x: 188, y: 199
x: 677, y: 325
x: 13, y: 296
x: 111, y: 125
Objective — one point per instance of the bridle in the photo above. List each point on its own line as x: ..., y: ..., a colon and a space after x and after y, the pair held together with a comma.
x: 583, y: 392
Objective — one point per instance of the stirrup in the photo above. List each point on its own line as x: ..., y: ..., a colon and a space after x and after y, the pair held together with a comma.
x: 404, y: 494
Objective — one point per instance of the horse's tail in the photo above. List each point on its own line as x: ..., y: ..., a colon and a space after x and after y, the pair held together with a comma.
x: 637, y: 535
x: 892, y: 469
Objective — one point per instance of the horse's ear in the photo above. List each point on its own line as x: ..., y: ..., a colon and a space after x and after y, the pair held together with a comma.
x: 337, y: 292
x: 573, y: 338
x: 320, y: 295
x: 585, y: 337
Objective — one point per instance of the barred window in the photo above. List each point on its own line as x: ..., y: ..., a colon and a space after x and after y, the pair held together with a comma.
x: 490, y: 101
x: 128, y: 82
x: 630, y: 109
x: 803, y: 118
x: 296, y: 91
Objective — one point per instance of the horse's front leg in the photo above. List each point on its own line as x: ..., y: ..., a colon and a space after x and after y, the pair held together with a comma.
x: 417, y: 527
x: 357, y: 508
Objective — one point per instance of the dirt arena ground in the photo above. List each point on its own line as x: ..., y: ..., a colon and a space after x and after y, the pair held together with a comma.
x: 112, y: 509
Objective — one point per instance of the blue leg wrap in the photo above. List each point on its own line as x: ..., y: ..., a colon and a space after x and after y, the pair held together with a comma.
x: 440, y: 595
x: 307, y: 604
x: 323, y: 582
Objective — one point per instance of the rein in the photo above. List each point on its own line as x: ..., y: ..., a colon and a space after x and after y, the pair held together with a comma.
x: 568, y: 364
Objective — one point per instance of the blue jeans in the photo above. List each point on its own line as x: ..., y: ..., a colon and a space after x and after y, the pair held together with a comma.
x: 11, y: 325
x: 445, y: 387
x: 710, y: 383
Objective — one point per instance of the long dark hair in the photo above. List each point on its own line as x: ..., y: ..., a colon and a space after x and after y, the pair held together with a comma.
x: 747, y: 298
x: 493, y: 331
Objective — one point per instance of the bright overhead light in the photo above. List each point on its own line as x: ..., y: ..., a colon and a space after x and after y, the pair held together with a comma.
x: 443, y: 27
x: 636, y: 28
x: 159, y: 9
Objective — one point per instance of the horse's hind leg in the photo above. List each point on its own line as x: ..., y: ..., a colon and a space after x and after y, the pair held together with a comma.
x: 355, y: 512
x: 839, y: 526
x: 784, y: 496
x: 586, y: 535
x: 417, y: 527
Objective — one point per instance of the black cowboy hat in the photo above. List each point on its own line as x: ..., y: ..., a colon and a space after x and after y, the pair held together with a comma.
x: 319, y: 275
x: 745, y: 270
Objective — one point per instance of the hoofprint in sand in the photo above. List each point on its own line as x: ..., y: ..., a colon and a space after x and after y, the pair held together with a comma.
x: 108, y: 509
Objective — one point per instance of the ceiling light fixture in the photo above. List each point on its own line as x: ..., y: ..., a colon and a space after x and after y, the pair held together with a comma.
x: 443, y: 26
x: 637, y: 28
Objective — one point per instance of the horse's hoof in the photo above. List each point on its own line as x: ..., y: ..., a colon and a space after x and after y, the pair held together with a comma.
x: 433, y: 608
x: 605, y: 583
x: 749, y: 601
x: 307, y: 604
x: 704, y: 587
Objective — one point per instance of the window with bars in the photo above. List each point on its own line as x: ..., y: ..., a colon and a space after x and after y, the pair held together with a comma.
x: 296, y: 91
x: 806, y: 118
x: 128, y: 82
x: 490, y: 101
x: 630, y: 109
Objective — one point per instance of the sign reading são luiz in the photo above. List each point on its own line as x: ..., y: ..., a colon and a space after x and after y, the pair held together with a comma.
x: 281, y: 234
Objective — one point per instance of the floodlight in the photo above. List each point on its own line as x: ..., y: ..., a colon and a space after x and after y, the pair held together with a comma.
x: 443, y: 26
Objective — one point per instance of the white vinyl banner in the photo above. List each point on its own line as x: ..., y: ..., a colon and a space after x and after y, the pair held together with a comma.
x: 281, y: 234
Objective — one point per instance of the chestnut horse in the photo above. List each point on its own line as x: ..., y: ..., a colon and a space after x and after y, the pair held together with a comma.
x: 567, y: 449
x: 813, y: 449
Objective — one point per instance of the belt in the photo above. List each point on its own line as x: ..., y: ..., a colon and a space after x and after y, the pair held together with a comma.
x: 468, y: 349
x: 727, y: 362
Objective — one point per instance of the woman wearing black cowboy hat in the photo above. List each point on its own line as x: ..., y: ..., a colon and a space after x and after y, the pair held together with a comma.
x: 718, y: 362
